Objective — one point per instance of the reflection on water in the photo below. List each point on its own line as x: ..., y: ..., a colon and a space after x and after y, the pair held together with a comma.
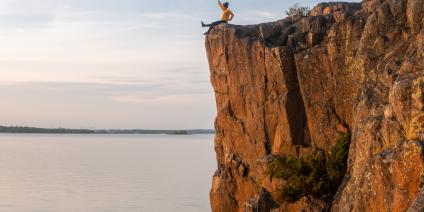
x: 101, y: 173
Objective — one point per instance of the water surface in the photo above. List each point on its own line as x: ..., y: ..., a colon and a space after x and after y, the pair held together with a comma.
x: 105, y: 173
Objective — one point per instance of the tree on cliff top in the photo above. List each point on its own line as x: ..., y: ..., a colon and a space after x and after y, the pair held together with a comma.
x: 297, y: 11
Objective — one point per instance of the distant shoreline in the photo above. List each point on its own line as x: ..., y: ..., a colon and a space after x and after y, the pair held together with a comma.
x: 34, y: 130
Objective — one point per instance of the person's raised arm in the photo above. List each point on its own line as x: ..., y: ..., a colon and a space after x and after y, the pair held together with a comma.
x: 221, y: 6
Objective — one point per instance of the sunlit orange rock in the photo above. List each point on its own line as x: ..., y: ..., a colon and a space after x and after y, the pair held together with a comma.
x: 287, y: 87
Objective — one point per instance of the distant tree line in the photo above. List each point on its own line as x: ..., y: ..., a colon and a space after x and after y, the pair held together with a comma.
x: 44, y: 130
x: 19, y: 129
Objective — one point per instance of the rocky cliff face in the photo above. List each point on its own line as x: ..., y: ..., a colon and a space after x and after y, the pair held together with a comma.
x: 296, y: 85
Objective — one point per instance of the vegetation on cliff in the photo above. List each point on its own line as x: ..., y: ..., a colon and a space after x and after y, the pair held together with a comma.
x: 297, y: 10
x: 311, y: 175
x: 337, y: 161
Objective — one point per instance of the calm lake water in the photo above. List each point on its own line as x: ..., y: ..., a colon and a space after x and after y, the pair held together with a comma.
x: 105, y: 173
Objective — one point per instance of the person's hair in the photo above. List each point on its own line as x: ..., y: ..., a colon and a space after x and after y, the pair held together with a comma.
x: 226, y: 4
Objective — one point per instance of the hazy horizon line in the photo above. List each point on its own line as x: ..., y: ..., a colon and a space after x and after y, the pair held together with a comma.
x: 82, y: 128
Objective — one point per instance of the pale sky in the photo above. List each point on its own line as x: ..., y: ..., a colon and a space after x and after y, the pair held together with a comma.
x: 113, y: 63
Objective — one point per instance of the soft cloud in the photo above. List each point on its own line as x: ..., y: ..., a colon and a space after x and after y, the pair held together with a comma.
x: 254, y: 15
x: 103, y: 105
x: 166, y: 16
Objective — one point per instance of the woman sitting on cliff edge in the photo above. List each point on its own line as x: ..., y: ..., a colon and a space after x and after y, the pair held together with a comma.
x: 226, y: 16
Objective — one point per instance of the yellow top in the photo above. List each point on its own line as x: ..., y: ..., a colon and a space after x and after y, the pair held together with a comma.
x: 227, y: 15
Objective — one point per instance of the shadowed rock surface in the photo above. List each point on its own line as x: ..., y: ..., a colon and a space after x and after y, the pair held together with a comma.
x: 296, y: 85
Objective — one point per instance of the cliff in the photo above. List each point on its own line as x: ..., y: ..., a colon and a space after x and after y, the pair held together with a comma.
x: 295, y: 87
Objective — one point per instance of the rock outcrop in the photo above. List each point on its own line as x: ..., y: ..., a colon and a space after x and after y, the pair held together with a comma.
x: 296, y: 85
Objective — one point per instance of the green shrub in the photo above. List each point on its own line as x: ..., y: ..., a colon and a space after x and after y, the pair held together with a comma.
x: 337, y: 161
x: 313, y: 174
x: 297, y: 10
